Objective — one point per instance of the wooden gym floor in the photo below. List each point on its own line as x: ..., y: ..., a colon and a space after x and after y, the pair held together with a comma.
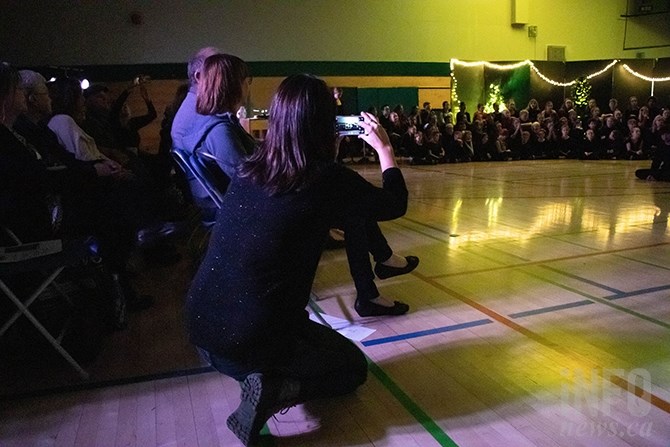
x: 540, y: 316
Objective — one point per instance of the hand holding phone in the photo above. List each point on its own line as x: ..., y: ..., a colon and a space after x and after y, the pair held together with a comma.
x: 348, y: 125
x: 374, y: 134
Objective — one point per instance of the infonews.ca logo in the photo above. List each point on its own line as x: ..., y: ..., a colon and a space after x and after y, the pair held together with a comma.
x: 589, y: 399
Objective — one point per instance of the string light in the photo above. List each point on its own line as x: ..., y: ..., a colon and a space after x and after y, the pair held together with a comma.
x: 513, y: 66
x: 551, y: 81
x: 641, y: 76
x: 598, y: 73
x: 573, y: 82
x: 454, y: 94
x: 456, y: 62
x: 488, y: 64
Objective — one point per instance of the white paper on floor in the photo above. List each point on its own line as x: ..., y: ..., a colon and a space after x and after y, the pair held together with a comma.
x: 350, y: 330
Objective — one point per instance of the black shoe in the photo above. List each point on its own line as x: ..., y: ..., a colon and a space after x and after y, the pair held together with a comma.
x: 366, y: 308
x: 261, y: 398
x: 155, y: 233
x: 384, y: 271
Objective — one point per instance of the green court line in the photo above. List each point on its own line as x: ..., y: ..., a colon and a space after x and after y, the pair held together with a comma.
x: 267, y: 440
x: 412, y: 407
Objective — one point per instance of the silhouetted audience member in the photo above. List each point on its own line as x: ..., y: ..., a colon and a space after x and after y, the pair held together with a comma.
x: 533, y: 109
x: 31, y: 191
x: 540, y: 145
x: 612, y: 105
x: 566, y: 144
x: 633, y: 108
x: 660, y: 165
x: 652, y: 105
x: 431, y: 141
x: 463, y: 116
x: 385, y: 118
x: 614, y: 147
x: 502, y: 153
x: 636, y: 148
x: 525, y: 150
x: 590, y: 147
x: 419, y: 154
x: 246, y: 305
x: 134, y: 198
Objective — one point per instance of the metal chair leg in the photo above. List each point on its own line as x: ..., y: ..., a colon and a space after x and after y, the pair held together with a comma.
x: 24, y: 310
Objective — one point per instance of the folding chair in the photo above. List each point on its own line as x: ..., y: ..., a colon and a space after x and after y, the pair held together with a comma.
x: 199, y: 237
x: 200, y: 167
x: 195, y: 168
x: 50, y: 258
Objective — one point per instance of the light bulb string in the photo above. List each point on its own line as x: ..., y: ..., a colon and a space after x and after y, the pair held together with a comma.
x: 455, y: 62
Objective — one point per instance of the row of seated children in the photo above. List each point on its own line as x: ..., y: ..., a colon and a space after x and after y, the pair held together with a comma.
x: 511, y: 135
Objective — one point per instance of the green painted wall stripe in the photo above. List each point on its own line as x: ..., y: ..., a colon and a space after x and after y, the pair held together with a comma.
x: 114, y: 73
x: 351, y: 68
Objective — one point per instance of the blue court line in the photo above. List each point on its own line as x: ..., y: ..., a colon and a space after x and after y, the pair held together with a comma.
x: 437, y: 330
x: 544, y: 310
x: 526, y: 313
x: 582, y: 279
x: 620, y: 295
x: 604, y: 301
x: 640, y: 261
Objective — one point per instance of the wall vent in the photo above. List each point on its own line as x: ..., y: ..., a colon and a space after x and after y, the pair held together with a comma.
x: 556, y: 53
x: 641, y: 7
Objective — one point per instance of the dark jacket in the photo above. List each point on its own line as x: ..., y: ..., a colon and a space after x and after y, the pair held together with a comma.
x: 251, y: 290
x: 24, y: 190
x: 221, y: 142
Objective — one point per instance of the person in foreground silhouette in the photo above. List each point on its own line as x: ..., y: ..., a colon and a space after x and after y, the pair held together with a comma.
x: 660, y: 164
x: 246, y: 306
x: 221, y: 83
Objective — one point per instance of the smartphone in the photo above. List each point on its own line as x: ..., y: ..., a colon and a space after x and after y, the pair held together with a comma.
x: 348, y: 125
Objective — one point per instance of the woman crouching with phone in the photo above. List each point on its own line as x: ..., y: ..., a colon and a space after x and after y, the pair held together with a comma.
x: 246, y: 305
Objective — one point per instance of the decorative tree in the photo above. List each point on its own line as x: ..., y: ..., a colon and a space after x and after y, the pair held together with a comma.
x: 494, y: 97
x: 581, y: 92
